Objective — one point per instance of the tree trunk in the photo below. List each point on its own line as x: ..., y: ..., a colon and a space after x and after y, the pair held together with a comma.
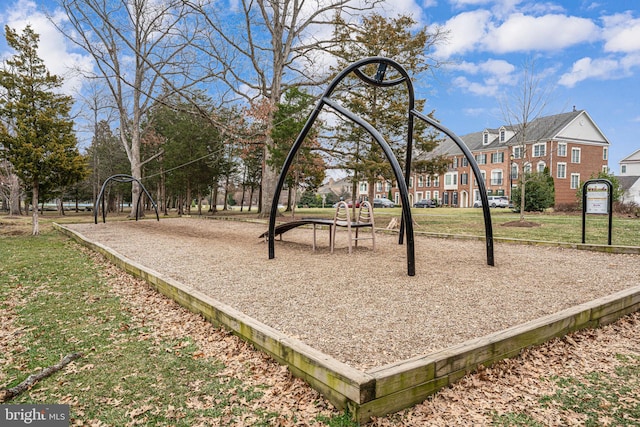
x: 34, y: 202
x: 225, y: 206
x: 269, y: 181
x: 250, y: 197
x: 522, y: 188
x: 188, y: 199
x: 136, y: 172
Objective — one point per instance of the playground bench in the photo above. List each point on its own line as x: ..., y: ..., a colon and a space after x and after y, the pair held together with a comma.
x: 341, y: 219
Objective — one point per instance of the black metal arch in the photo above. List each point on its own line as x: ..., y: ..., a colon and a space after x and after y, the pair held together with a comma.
x: 488, y: 227
x: 121, y: 178
x: 378, y: 80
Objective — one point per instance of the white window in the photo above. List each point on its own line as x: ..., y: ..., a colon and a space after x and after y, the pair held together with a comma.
x: 496, y: 177
x: 575, y: 181
x: 485, y: 138
x: 427, y: 195
x: 363, y: 187
x: 436, y: 181
x: 436, y: 195
x: 378, y: 186
x: 575, y: 155
x: 623, y: 169
x: 540, y: 150
x: 428, y: 182
x: 517, y: 152
x: 497, y: 157
x: 527, y: 168
x: 562, y: 149
x: 420, y: 181
x: 481, y: 159
x: 514, y: 171
x: 540, y: 167
x: 465, y: 162
x: 410, y: 182
x: 562, y: 170
x: 605, y: 153
x: 503, y: 135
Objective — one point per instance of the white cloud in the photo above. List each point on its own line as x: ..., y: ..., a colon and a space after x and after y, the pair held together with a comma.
x: 494, y: 74
x: 476, y: 88
x: 53, y: 47
x: 587, y: 68
x: 497, y: 68
x: 466, y: 30
x: 622, y: 33
x: 549, y: 32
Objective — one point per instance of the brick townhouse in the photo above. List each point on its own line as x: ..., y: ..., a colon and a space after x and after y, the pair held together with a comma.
x: 570, y: 144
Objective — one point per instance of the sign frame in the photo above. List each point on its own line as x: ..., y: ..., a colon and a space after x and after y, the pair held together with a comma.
x: 596, y: 207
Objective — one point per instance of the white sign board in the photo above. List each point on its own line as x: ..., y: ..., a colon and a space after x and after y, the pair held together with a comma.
x: 597, y: 198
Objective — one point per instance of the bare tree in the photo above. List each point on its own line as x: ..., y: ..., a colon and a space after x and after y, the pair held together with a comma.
x: 266, y: 47
x: 140, y: 47
x: 524, y: 105
x: 10, y: 189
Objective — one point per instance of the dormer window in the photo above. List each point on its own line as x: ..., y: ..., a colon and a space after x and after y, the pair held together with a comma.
x: 485, y: 138
x: 503, y: 135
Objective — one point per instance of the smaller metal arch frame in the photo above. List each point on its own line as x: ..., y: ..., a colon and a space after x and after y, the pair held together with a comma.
x: 122, y: 178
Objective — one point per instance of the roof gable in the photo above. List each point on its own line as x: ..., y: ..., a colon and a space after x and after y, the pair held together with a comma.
x: 582, y: 129
x: 631, y: 158
x: 574, y: 126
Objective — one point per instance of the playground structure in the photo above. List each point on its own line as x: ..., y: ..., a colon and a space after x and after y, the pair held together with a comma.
x: 121, y: 178
x: 342, y: 218
x: 406, y: 225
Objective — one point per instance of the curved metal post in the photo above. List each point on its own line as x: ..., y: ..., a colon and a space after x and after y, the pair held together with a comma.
x: 402, y: 183
x: 488, y: 227
x: 122, y: 178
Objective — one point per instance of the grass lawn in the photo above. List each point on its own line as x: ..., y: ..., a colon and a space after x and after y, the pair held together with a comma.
x: 566, y: 228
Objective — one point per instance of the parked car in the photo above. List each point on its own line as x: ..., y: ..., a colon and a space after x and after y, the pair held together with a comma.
x: 494, y: 202
x: 424, y: 203
x: 349, y: 204
x: 383, y: 203
x: 498, y: 201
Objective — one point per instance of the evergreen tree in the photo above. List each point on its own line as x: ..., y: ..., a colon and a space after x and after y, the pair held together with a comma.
x: 384, y: 108
x: 618, y: 191
x: 539, y: 192
x: 191, y: 144
x: 107, y: 157
x: 308, y: 170
x: 38, y: 132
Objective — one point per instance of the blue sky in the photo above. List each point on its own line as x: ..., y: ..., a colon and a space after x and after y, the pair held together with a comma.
x: 588, y: 50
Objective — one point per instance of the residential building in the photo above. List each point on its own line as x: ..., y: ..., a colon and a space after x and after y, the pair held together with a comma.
x: 570, y: 145
x: 629, y: 178
x: 630, y: 165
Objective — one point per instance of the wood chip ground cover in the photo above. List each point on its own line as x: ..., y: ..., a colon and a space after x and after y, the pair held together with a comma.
x: 363, y: 309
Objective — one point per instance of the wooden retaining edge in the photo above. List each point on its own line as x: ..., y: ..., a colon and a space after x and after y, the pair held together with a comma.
x: 411, y: 381
x: 396, y: 386
x: 343, y: 385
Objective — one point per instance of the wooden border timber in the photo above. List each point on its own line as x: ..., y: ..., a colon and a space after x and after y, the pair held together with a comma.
x: 389, y: 388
